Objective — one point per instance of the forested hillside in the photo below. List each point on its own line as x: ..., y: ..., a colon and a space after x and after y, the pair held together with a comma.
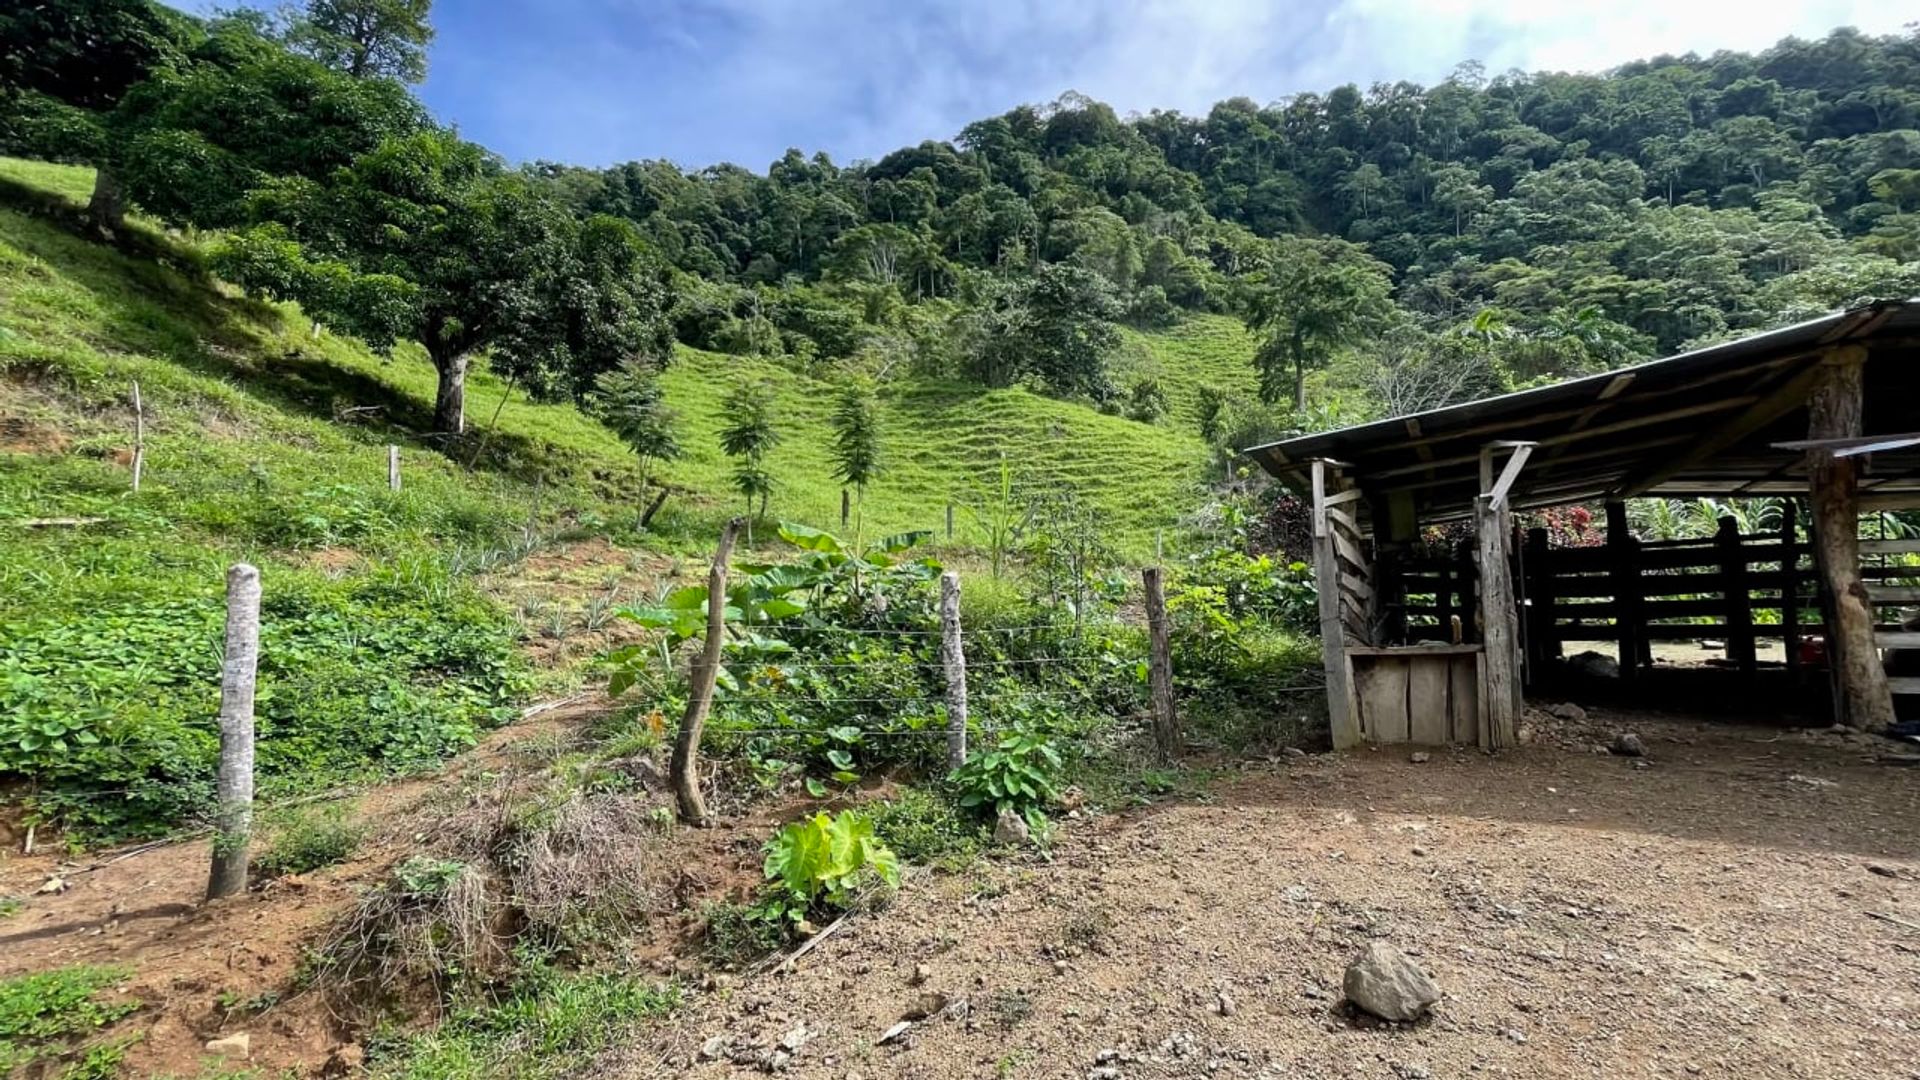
x: 1419, y: 244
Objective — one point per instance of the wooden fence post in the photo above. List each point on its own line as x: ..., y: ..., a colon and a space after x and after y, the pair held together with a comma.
x: 1790, y: 587
x: 846, y: 508
x: 1624, y: 578
x: 1499, y: 617
x: 684, y: 769
x: 139, y: 436
x: 953, y: 659
x: 393, y: 467
x: 949, y: 521
x: 1738, y: 596
x: 1544, y: 646
x: 1862, y: 698
x: 1166, y: 723
x: 233, y: 822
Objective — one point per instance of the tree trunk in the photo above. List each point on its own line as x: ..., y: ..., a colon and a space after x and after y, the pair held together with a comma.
x: 646, y: 516
x: 450, y: 404
x: 1862, y: 698
x: 1299, y: 383
x: 684, y: 768
x: 108, y: 207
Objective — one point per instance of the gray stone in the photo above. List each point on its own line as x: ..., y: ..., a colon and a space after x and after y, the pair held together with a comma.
x: 1627, y: 744
x: 715, y: 1048
x: 931, y: 1003
x: 1567, y: 710
x: 239, y: 1045
x: 1594, y: 665
x: 1420, y: 757
x: 1011, y: 829
x: 1384, y: 982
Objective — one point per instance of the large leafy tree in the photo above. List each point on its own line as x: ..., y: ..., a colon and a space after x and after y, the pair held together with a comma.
x: 366, y: 39
x: 428, y: 238
x: 1314, y: 299
x: 1055, y: 327
x: 87, y: 53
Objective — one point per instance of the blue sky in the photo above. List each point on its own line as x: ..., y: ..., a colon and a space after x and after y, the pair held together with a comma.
x: 700, y: 81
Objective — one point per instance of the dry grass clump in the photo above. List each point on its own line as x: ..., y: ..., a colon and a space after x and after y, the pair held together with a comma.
x: 546, y: 867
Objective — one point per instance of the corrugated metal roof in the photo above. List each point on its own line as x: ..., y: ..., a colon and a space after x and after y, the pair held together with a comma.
x: 1628, y: 429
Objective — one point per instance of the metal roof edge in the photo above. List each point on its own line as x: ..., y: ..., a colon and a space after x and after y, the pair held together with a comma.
x: 1845, y: 321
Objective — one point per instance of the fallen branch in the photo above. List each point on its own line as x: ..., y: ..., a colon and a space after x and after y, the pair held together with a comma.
x: 1902, y: 923
x: 532, y: 711
x: 808, y: 945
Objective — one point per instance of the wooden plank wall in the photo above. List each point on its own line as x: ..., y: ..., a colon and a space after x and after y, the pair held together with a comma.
x: 1428, y: 699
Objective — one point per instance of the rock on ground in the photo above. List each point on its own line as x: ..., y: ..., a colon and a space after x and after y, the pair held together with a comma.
x: 1627, y: 744
x: 1010, y: 828
x: 1384, y: 982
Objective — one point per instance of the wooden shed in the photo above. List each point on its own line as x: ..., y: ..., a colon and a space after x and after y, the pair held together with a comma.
x: 1426, y: 646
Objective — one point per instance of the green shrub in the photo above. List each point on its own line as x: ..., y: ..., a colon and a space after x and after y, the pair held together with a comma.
x: 739, y: 934
x: 927, y: 829
x: 826, y: 863
x: 50, y: 1014
x: 309, y: 840
x: 1019, y: 774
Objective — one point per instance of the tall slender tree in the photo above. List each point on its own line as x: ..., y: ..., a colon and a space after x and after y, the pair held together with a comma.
x: 748, y: 437
x: 856, y: 445
x: 629, y: 400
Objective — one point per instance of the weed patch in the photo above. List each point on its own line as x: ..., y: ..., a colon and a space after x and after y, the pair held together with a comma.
x: 52, y: 1014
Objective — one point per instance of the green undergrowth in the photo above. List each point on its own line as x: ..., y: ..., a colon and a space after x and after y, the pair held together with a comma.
x: 265, y: 441
x: 550, y: 1024
x: 53, y: 1015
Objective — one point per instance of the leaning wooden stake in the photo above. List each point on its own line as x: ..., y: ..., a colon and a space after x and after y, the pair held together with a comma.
x: 393, y: 467
x: 233, y: 820
x: 685, y: 767
x: 1166, y: 724
x: 139, y: 436
x: 953, y: 659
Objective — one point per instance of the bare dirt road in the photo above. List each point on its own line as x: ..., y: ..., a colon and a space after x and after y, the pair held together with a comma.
x: 1743, y: 903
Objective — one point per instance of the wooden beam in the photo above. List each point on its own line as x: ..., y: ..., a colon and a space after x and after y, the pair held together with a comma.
x: 1510, y: 474
x: 1342, y: 718
x: 1865, y: 444
x: 1490, y: 427
x: 1687, y: 412
x: 1787, y: 397
x: 1861, y: 696
x: 1499, y: 618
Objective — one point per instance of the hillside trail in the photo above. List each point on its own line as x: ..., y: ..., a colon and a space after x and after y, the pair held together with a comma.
x: 1740, y: 903
x: 201, y: 970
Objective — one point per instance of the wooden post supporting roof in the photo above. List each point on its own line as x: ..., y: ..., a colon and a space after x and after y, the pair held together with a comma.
x: 1341, y: 716
x: 1500, y: 697
x: 1862, y: 698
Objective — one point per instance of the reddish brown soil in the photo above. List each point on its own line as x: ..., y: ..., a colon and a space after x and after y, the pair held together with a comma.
x: 198, y: 966
x: 1710, y: 912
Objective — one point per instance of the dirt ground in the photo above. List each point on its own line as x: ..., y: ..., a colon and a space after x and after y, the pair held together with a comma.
x: 204, y: 970
x: 1740, y: 903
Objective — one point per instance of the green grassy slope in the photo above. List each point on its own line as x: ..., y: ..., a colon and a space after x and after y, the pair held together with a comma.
x: 944, y: 441
x: 266, y: 442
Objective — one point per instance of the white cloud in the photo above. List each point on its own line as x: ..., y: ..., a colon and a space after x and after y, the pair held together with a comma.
x: 860, y: 77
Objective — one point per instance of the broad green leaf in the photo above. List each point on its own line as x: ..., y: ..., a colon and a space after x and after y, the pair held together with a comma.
x: 811, y: 539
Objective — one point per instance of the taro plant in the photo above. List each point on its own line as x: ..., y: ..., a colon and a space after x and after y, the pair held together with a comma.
x: 1019, y: 775
x: 825, y: 863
